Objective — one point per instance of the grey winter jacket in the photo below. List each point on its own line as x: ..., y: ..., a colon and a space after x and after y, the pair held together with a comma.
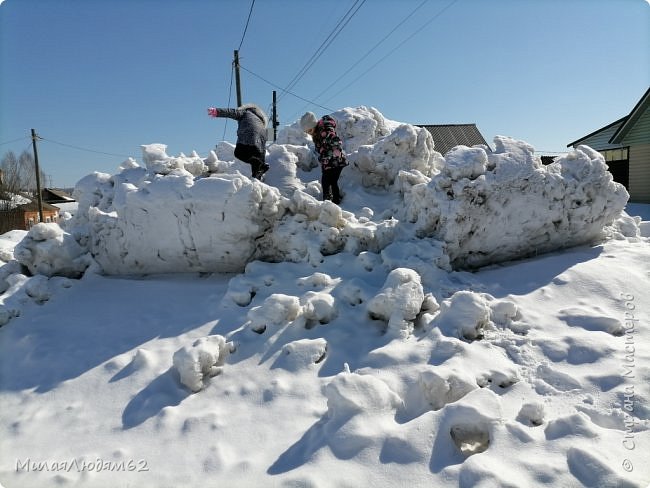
x: 252, y: 124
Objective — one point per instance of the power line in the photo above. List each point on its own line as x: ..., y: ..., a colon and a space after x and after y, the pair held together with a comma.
x: 325, y: 44
x: 14, y: 140
x: 285, y: 91
x: 225, y: 126
x: 247, y: 21
x: 83, y: 148
x: 395, y: 49
x: 355, y: 64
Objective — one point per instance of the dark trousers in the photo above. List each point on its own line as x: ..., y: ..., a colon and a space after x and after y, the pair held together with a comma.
x: 252, y: 156
x: 330, y: 183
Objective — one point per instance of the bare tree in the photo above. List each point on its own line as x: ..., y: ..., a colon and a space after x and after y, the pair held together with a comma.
x: 18, y: 174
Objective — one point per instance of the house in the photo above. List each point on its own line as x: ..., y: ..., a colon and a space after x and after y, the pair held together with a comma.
x: 25, y: 215
x: 625, y: 144
x: 448, y: 136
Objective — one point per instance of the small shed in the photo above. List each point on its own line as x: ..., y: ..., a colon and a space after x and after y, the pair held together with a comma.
x: 625, y: 144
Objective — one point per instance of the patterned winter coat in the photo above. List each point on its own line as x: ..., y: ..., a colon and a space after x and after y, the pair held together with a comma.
x: 328, y: 144
x: 252, y: 121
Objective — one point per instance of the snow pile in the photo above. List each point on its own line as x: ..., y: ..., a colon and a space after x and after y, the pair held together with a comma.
x: 204, y: 358
x: 49, y: 250
x: 142, y: 222
x: 493, y: 207
x: 469, y: 209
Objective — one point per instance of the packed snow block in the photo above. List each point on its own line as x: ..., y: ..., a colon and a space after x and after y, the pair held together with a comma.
x: 399, y: 301
x: 277, y: 309
x: 176, y: 223
x: 283, y: 168
x: 301, y: 354
x: 318, y: 308
x: 440, y: 387
x: 202, y: 359
x: 464, y: 315
x: 489, y: 208
x: 361, y: 126
x: 157, y: 161
x: 406, y: 148
x: 349, y: 394
x: 49, y: 250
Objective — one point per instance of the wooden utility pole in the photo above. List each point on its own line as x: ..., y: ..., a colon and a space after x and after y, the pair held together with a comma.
x: 38, y: 179
x: 275, y: 117
x: 237, y: 80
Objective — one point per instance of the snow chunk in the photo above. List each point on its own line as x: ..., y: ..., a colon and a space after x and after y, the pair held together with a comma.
x: 441, y: 387
x: 277, y: 309
x: 399, y: 301
x: 49, y: 250
x: 301, y: 354
x: 351, y: 393
x: 203, y: 358
x: 318, y: 307
x: 406, y: 148
x: 465, y: 314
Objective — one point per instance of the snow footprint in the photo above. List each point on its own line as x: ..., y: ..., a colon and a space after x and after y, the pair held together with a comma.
x: 470, y: 438
x: 556, y: 379
x: 591, y: 320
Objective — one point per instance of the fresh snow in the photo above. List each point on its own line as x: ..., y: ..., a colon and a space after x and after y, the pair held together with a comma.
x: 476, y: 319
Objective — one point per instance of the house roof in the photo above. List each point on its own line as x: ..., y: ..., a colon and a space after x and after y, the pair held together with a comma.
x: 608, y: 126
x: 631, y: 119
x: 448, y: 136
x: 625, y: 123
x: 59, y: 194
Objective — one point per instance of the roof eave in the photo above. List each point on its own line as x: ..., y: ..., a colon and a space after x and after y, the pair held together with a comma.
x: 634, y: 115
x: 596, y: 132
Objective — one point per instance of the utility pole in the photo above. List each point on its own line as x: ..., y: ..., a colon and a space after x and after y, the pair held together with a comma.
x: 38, y: 179
x: 275, y: 117
x: 237, y: 80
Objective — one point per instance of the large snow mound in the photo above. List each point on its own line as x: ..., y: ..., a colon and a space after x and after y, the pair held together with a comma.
x: 492, y: 207
x: 472, y: 208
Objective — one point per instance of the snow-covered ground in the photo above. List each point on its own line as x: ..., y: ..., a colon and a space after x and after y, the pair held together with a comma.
x: 474, y: 320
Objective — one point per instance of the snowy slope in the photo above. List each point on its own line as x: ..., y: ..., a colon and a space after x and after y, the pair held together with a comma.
x: 359, y: 357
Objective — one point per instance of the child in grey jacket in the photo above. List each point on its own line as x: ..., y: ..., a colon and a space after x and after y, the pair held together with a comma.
x: 251, y: 135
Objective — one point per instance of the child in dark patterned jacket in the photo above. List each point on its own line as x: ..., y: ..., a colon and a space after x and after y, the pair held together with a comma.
x: 330, y: 152
x: 251, y: 135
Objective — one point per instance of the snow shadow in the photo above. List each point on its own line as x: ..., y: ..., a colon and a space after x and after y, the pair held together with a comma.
x: 93, y: 323
x: 506, y: 278
x: 321, y: 434
x: 164, y: 391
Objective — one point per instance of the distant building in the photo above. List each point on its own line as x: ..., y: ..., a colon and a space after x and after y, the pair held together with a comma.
x: 625, y: 144
x: 54, y: 195
x: 448, y: 136
x: 24, y: 216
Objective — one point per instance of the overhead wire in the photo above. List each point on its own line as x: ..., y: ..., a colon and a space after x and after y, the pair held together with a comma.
x: 324, y: 45
x: 247, y: 21
x: 284, y: 90
x: 14, y: 140
x: 356, y: 63
x: 426, y: 24
x: 225, y: 126
x: 82, y: 148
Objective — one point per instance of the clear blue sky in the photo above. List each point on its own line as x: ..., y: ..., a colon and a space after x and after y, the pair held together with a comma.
x: 110, y: 75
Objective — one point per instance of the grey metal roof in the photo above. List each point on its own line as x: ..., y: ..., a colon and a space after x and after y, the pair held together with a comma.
x: 448, y: 136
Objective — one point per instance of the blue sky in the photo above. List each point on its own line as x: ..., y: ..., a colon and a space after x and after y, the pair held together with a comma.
x: 110, y: 75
